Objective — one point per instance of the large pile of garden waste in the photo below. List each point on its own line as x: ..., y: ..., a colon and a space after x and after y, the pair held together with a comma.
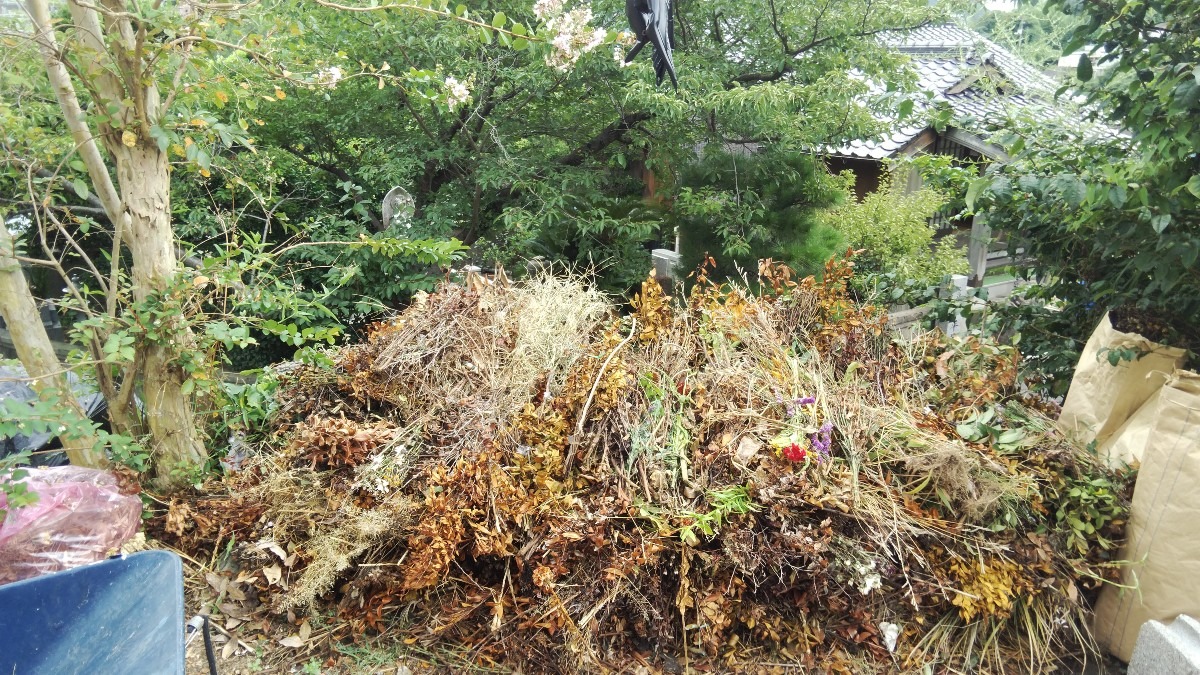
x: 522, y: 476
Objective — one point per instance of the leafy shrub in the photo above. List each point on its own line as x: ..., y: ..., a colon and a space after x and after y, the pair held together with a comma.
x: 1110, y: 215
x: 377, y: 271
x: 892, y: 227
x: 605, y: 227
x: 740, y: 208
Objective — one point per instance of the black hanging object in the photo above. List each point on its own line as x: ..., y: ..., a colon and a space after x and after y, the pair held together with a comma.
x: 651, y: 23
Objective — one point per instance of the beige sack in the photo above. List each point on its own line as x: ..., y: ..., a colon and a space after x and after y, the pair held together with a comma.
x: 1102, y: 396
x: 1127, y: 444
x: 1163, y: 536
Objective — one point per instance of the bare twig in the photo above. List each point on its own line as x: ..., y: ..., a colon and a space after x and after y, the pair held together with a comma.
x: 592, y: 394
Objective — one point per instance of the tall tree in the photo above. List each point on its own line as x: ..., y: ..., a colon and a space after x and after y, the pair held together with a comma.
x: 542, y: 161
x: 120, y: 68
x: 132, y: 85
x: 36, y: 352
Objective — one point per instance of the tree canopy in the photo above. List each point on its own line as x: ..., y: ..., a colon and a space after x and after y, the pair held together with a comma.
x: 539, y: 160
x: 1111, y: 210
x: 204, y: 177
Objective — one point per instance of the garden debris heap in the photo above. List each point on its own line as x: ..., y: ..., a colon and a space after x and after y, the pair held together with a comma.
x: 518, y: 475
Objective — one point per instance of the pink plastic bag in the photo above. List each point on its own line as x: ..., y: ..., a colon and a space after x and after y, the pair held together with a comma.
x: 80, y: 517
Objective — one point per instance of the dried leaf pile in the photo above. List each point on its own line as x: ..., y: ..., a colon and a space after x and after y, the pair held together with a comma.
x: 730, y: 481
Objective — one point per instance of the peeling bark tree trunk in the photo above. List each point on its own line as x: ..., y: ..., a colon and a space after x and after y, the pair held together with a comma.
x: 36, y: 352
x: 137, y: 204
x: 146, y: 194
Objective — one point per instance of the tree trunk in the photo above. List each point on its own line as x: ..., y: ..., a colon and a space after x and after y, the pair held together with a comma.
x: 145, y: 191
x: 36, y: 352
x: 121, y: 81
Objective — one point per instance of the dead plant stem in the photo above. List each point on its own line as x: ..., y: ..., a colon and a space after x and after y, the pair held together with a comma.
x: 592, y: 394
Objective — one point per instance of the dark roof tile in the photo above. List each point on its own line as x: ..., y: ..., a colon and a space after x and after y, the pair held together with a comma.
x: 945, y: 56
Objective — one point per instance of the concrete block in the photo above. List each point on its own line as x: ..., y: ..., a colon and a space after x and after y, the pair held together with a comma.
x: 1000, y: 290
x: 1167, y: 649
x: 665, y: 263
x: 907, y: 322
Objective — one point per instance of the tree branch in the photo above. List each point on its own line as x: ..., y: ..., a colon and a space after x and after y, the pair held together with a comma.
x: 109, y: 88
x: 76, y: 120
x: 777, y: 29
x: 341, y: 174
x: 815, y: 42
x: 94, y: 203
x: 33, y: 346
x: 758, y: 78
x: 607, y: 136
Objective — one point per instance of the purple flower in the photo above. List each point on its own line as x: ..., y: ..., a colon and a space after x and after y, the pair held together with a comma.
x: 821, y: 441
x: 791, y: 404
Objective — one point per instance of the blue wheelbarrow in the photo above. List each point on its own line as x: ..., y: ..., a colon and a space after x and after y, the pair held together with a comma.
x: 122, y: 616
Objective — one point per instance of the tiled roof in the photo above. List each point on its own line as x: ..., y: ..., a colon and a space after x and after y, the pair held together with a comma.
x: 946, y: 58
x: 960, y: 44
x: 878, y: 148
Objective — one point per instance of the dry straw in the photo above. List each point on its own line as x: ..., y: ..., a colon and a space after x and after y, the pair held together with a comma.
x: 748, y: 479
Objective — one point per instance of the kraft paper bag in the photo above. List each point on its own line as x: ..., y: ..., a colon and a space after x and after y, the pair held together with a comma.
x: 1103, y: 396
x: 1163, y: 535
x: 1126, y: 445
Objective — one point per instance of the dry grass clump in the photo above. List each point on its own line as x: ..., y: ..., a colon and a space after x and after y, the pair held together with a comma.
x: 471, y: 358
x: 334, y: 550
x: 552, y: 319
x: 723, y: 480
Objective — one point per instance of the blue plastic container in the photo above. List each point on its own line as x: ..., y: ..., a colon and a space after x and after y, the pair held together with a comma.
x: 118, y: 617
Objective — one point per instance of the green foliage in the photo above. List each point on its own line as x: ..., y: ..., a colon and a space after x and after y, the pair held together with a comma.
x: 725, y: 502
x: 1112, y: 220
x: 1086, y: 507
x: 1028, y: 30
x: 16, y: 493
x: 245, y: 407
x: 739, y: 208
x: 984, y: 426
x: 1046, y: 331
x: 216, y: 307
x: 1085, y: 503
x: 667, y: 404
x: 177, y: 106
x: 604, y: 226
x: 892, y: 227
x: 948, y: 176
x: 46, y: 414
x: 369, y: 272
x: 1115, y: 355
x: 808, y: 255
x: 538, y: 160
x: 133, y: 456
x: 301, y: 130
x: 31, y: 126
